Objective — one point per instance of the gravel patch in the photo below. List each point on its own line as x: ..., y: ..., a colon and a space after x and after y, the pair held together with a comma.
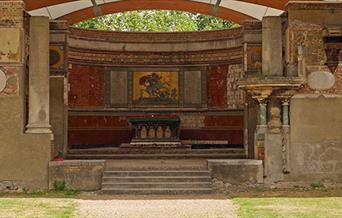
x: 194, y: 208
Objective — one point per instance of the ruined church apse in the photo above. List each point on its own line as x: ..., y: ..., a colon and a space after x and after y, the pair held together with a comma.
x: 103, y: 97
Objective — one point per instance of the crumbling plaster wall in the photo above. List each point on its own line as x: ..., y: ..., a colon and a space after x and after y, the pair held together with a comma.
x: 316, y: 138
x: 23, y: 157
x: 316, y: 115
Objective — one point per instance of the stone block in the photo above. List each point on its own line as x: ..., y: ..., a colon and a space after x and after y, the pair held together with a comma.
x: 272, y: 63
x: 77, y: 174
x: 236, y: 171
x: 10, y: 45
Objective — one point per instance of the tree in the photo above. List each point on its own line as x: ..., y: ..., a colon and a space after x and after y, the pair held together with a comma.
x: 156, y: 21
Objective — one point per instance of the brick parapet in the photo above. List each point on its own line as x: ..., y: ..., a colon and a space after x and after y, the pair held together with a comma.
x: 12, y: 13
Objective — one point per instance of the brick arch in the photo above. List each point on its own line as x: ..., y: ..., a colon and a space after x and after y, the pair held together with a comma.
x: 179, y: 5
x: 32, y: 5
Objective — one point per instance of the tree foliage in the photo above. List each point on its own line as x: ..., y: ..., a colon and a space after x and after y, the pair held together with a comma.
x: 156, y: 21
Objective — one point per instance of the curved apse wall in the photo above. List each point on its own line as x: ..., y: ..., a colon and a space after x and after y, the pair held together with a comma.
x: 200, y: 67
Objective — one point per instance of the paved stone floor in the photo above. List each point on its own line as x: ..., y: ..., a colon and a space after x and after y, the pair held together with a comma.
x: 170, y: 208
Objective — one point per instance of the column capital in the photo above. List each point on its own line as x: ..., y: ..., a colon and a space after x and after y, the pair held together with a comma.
x: 261, y: 94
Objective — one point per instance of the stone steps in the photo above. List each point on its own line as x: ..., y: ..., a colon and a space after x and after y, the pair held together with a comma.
x: 169, y: 173
x: 156, y: 182
x: 156, y: 185
x: 231, y: 153
x: 153, y: 151
x: 157, y: 191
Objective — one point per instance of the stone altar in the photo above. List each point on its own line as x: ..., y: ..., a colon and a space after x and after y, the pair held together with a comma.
x: 155, y: 131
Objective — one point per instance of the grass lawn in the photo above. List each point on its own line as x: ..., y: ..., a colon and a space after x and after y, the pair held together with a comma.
x: 37, y: 207
x: 330, y: 207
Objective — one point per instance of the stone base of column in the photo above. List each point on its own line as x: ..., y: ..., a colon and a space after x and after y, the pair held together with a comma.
x: 38, y: 128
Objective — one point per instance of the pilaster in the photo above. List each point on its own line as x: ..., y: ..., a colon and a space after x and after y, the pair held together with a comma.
x: 39, y: 84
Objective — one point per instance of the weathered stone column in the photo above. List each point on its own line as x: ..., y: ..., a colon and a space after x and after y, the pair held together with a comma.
x: 286, y: 135
x: 273, y: 145
x: 261, y: 96
x: 262, y: 113
x: 285, y: 117
x: 39, y: 85
x: 272, y: 63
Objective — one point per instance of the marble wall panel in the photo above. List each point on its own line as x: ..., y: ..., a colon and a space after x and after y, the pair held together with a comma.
x: 217, y: 86
x: 118, y: 88
x: 86, y: 86
x: 192, y: 87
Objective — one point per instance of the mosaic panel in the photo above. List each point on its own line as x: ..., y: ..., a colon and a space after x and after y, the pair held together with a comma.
x: 155, y: 88
x: 57, y: 58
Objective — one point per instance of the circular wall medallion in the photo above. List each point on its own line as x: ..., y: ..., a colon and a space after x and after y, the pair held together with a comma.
x: 54, y: 57
x: 3, y: 80
x: 321, y: 80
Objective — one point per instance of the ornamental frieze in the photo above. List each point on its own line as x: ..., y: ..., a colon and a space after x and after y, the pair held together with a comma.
x: 117, y: 58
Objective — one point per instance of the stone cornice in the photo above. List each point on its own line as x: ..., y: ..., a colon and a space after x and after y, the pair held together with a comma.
x: 312, y: 5
x: 147, y: 37
x: 120, y: 58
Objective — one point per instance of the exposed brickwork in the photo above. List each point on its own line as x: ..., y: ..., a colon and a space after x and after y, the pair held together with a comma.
x: 313, y: 5
x: 11, y: 13
x: 86, y: 86
x: 235, y: 96
x: 309, y: 36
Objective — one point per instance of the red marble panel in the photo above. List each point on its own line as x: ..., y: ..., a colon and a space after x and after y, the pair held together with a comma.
x: 226, y: 121
x: 234, y: 137
x: 86, y: 86
x: 83, y: 138
x: 217, y: 86
x: 97, y: 121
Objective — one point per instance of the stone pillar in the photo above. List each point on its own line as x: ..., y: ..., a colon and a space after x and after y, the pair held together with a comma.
x: 272, y: 63
x: 286, y: 135
x: 273, y: 145
x: 59, y: 34
x: 39, y: 85
x: 262, y: 113
x: 285, y: 117
x: 261, y: 96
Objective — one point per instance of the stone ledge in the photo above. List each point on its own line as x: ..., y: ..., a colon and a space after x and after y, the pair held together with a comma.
x: 76, y: 162
x: 77, y: 174
x: 237, y: 171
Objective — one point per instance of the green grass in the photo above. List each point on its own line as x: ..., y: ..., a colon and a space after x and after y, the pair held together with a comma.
x: 43, y: 194
x: 289, y: 207
x: 37, y: 207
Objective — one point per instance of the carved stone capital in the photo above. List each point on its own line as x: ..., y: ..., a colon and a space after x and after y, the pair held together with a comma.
x: 260, y: 94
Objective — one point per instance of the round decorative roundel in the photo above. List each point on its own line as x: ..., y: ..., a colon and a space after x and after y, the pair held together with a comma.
x: 3, y: 80
x: 54, y: 57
